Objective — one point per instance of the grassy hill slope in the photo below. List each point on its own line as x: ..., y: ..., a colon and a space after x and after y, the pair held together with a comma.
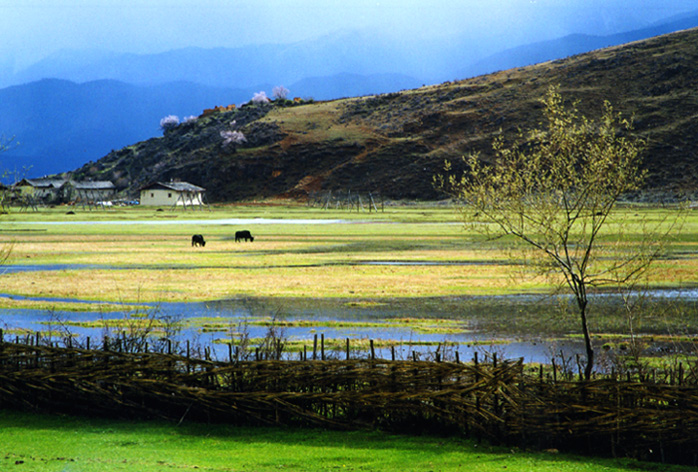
x: 395, y: 143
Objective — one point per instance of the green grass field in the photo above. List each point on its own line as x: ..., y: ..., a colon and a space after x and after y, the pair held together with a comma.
x: 46, y: 443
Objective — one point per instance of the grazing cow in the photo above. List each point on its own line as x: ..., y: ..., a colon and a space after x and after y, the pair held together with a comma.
x: 198, y: 240
x: 240, y: 235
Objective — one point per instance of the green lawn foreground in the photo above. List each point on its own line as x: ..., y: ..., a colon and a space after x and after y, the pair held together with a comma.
x: 49, y: 443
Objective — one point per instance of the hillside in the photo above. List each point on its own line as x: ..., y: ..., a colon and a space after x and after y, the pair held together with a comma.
x: 394, y: 143
x: 60, y: 124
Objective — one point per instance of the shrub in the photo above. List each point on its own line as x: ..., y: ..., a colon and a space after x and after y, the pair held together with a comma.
x: 169, y: 122
x: 232, y: 138
x: 260, y: 97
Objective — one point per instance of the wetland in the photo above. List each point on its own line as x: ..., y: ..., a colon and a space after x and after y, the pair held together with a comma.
x: 410, y: 279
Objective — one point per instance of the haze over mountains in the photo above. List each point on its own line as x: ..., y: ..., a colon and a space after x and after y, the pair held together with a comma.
x: 76, y: 106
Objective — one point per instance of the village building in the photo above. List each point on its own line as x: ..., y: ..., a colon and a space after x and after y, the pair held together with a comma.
x: 45, y: 190
x: 42, y: 191
x: 173, y: 194
x: 92, y: 192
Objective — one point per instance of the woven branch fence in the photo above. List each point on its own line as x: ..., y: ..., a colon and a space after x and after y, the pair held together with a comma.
x: 495, y: 401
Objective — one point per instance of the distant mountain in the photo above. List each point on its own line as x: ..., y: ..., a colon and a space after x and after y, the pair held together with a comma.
x: 393, y: 144
x: 353, y: 52
x: 60, y: 125
x: 570, y: 45
x: 347, y: 52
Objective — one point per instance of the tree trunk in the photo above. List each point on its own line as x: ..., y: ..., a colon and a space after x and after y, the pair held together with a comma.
x: 587, y: 339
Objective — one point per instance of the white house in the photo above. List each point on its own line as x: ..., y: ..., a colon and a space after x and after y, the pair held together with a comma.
x: 172, y: 194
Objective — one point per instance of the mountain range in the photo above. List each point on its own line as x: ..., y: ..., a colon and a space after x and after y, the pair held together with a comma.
x: 393, y: 144
x: 77, y: 106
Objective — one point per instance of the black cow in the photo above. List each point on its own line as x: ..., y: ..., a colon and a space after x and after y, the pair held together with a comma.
x: 240, y: 235
x: 198, y: 240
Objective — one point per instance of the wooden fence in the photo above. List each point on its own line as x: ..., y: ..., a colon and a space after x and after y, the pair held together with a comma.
x: 496, y: 401
x: 347, y: 200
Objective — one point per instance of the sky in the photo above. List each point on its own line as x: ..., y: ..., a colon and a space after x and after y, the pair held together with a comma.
x: 33, y: 29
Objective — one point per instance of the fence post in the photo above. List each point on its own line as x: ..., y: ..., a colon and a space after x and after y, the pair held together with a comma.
x: 315, y: 347
x: 680, y: 373
x: 188, y: 360
x: 348, y: 349
x: 322, y: 346
x: 373, y: 353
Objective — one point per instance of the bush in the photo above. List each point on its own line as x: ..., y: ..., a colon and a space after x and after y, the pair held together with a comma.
x: 232, y: 138
x: 169, y: 122
x: 260, y: 97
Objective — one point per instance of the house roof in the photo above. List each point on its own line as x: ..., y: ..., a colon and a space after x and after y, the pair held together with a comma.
x: 176, y: 186
x: 96, y: 185
x: 41, y: 183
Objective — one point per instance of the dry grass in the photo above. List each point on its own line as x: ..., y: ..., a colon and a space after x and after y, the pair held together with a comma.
x: 157, y: 263
x: 149, y: 285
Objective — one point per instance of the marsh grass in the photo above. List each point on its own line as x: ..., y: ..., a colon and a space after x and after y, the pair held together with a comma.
x: 14, y: 303
x: 351, y: 263
x: 423, y: 324
x: 336, y: 347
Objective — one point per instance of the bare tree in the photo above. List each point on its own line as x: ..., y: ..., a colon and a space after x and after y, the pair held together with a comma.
x: 5, y: 143
x: 555, y: 189
x: 280, y: 92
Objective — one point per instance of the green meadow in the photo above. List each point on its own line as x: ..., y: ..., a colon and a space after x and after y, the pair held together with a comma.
x: 48, y: 443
